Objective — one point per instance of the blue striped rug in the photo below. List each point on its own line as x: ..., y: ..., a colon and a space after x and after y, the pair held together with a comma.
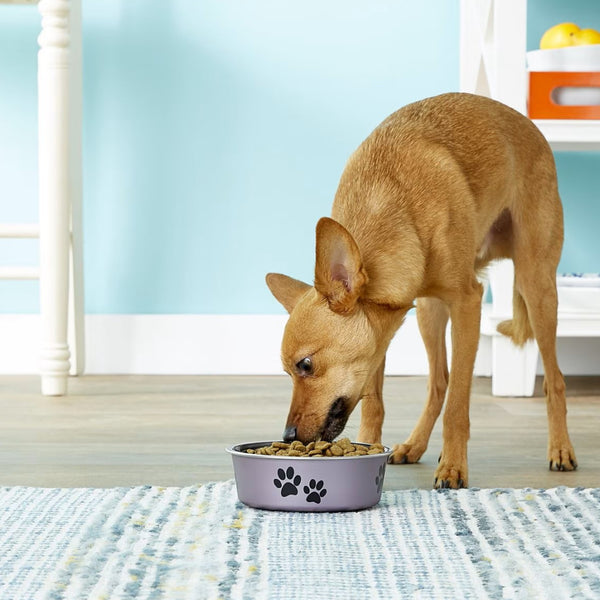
x: 201, y: 543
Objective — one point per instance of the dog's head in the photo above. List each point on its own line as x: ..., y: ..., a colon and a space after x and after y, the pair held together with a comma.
x: 334, y: 340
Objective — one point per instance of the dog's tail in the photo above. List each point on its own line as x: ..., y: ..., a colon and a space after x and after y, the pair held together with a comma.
x: 518, y: 329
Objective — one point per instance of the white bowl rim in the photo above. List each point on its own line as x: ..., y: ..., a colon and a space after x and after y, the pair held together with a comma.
x: 583, y: 49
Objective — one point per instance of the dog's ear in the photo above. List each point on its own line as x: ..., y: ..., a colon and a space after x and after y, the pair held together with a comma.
x: 339, y: 272
x: 286, y: 289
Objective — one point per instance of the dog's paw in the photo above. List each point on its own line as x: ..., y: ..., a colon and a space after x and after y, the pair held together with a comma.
x: 562, y: 458
x: 449, y: 475
x: 404, y: 454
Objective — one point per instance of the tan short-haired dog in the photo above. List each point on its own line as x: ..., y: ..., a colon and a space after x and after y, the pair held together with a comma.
x: 438, y: 190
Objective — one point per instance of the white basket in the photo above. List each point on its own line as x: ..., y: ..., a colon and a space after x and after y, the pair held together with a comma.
x: 570, y: 58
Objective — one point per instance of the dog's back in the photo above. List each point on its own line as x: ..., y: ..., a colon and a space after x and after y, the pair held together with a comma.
x: 456, y: 164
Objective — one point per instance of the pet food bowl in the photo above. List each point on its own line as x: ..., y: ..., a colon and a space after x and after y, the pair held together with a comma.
x: 308, y: 483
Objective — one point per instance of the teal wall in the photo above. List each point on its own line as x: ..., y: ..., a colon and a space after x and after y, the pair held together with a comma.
x: 216, y: 131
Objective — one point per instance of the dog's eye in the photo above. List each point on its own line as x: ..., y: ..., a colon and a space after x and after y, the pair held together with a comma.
x: 305, y: 366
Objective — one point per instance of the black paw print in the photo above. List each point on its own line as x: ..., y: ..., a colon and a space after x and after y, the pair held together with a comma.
x: 379, y: 478
x: 289, y: 487
x: 314, y: 491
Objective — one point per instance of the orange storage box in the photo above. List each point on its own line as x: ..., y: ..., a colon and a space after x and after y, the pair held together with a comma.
x: 544, y: 87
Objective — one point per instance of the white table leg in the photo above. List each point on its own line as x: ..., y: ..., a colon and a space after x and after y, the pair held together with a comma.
x: 513, y: 368
x: 54, y: 201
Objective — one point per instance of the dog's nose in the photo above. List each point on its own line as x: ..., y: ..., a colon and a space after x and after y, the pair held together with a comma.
x: 289, y: 435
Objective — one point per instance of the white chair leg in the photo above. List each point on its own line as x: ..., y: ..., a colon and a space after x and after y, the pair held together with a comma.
x: 54, y: 204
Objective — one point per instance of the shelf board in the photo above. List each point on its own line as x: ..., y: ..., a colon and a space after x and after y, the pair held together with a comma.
x: 570, y: 324
x: 571, y: 135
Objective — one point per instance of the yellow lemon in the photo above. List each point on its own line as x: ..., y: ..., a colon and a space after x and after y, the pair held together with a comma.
x: 583, y: 37
x: 559, y: 36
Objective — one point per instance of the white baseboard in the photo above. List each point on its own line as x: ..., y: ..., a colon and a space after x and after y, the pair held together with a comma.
x: 226, y: 344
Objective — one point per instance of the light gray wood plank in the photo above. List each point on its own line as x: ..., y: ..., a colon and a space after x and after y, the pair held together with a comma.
x: 173, y: 431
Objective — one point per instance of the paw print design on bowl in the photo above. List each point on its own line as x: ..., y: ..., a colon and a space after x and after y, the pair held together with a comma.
x: 314, y: 491
x: 287, y: 482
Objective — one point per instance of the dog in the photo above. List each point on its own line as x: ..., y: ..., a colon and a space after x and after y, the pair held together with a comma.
x: 439, y: 189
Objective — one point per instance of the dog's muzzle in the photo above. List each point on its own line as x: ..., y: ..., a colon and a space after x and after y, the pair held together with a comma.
x: 336, y: 419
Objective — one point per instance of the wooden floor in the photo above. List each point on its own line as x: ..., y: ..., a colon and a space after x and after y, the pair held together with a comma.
x: 173, y: 431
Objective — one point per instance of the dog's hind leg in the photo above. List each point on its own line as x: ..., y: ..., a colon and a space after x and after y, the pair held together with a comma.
x: 372, y: 411
x: 537, y: 245
x: 537, y: 285
x: 432, y: 316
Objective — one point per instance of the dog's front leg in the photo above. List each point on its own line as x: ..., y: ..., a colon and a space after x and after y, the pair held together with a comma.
x: 432, y: 316
x: 372, y: 411
x: 465, y: 316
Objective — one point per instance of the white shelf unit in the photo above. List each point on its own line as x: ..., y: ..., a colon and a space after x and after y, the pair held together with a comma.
x: 493, y: 63
x: 573, y: 135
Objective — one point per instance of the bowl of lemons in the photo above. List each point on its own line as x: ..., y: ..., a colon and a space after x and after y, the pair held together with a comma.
x: 566, y: 47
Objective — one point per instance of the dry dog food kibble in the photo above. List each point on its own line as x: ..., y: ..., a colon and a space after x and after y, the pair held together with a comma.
x: 343, y: 447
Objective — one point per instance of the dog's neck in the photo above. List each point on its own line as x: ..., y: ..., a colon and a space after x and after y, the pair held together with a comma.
x: 396, y: 271
x: 385, y: 319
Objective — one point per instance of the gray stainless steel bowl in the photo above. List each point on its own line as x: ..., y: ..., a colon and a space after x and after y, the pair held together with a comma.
x: 311, y: 484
